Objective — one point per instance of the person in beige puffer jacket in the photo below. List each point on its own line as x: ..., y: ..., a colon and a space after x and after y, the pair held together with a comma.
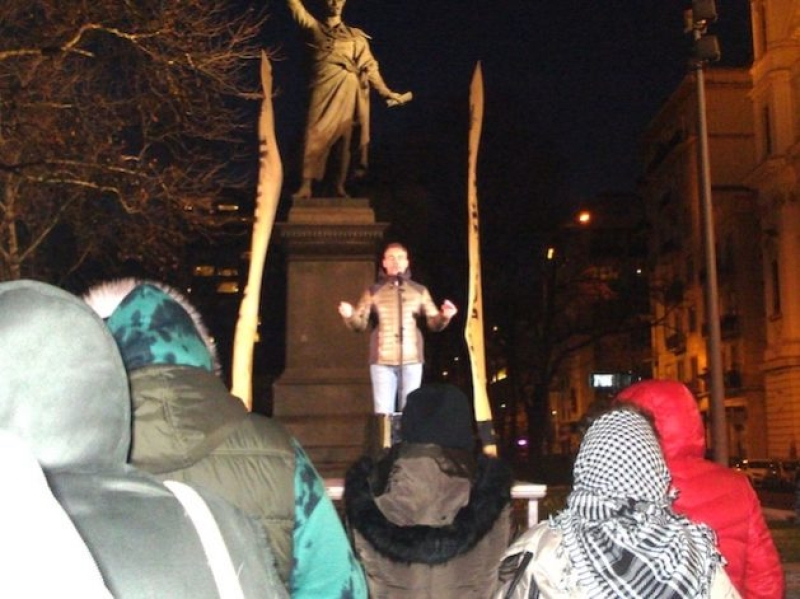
x: 393, y: 308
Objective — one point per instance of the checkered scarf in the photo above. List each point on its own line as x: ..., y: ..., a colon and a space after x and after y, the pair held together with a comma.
x: 622, y: 537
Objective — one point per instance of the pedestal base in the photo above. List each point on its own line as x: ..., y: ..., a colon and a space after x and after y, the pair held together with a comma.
x: 331, y: 420
x: 324, y: 396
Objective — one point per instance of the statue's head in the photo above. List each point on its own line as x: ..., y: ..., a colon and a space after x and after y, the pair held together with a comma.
x: 335, y: 7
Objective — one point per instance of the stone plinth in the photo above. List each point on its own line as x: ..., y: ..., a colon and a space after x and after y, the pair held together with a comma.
x: 324, y: 395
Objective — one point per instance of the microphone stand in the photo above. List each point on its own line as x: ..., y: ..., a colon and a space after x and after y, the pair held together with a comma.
x: 399, y: 394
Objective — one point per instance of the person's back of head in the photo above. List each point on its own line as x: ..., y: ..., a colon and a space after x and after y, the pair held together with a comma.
x: 64, y: 392
x: 153, y: 323
x: 411, y: 486
x: 675, y: 414
x: 432, y: 516
x: 182, y: 408
x: 438, y: 414
x: 620, y: 458
x: 618, y: 530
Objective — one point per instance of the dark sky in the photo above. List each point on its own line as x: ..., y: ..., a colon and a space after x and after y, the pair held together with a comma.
x: 589, y: 75
x: 582, y: 78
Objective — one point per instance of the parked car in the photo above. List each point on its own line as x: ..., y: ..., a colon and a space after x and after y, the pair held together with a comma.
x: 762, y: 472
x: 788, y: 473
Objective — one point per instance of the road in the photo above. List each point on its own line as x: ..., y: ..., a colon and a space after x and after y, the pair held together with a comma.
x: 783, y: 500
x: 778, y: 504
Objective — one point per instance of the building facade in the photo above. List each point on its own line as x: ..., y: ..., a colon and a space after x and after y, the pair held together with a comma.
x: 671, y: 188
x: 775, y: 107
x: 753, y: 118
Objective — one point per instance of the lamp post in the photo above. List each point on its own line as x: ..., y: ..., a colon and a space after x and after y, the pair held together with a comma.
x: 706, y: 49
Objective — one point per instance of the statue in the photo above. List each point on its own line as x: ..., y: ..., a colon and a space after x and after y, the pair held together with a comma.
x: 343, y: 70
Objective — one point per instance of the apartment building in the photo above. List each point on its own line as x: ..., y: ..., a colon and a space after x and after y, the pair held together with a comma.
x: 753, y: 120
x: 671, y: 189
x: 775, y: 178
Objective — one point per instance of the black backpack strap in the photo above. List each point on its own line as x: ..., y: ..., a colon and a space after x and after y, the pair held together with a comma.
x: 517, y: 564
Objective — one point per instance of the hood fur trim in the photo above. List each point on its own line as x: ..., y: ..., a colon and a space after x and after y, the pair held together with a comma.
x: 106, y: 297
x: 491, y: 493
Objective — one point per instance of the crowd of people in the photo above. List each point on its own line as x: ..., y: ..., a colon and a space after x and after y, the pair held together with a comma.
x: 134, y: 472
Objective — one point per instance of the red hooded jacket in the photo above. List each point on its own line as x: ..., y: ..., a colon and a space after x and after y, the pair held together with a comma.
x: 717, y: 496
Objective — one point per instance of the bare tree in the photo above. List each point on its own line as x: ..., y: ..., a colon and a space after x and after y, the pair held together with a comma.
x: 120, y: 122
x: 581, y: 290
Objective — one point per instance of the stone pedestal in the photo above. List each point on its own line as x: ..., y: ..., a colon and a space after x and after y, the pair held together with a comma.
x: 324, y: 395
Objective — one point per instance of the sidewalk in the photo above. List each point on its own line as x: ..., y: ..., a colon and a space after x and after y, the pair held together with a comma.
x: 791, y: 573
x: 791, y: 570
x: 772, y: 513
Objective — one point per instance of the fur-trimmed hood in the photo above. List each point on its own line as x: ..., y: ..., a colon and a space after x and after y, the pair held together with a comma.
x: 153, y: 323
x: 366, y: 498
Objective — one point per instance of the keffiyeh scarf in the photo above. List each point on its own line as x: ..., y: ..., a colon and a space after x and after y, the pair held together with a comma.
x: 620, y: 533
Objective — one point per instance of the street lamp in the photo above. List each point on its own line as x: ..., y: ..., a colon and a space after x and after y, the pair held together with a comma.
x: 706, y: 49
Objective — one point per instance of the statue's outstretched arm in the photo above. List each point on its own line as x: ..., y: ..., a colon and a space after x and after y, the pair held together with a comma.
x: 379, y: 85
x: 368, y: 63
x: 301, y: 15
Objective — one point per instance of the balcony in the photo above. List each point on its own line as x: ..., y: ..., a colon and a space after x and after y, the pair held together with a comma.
x: 732, y: 380
x: 729, y: 327
x: 676, y: 343
x: 673, y: 294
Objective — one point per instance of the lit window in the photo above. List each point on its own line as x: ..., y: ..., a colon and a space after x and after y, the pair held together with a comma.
x: 228, y: 287
x: 204, y: 270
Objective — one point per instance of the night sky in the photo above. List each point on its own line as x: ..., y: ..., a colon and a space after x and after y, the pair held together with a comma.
x: 584, y: 77
x: 570, y: 87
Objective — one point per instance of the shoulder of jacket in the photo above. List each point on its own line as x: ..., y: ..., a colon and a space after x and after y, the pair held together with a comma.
x: 267, y: 434
x: 418, y: 287
x: 376, y: 287
x: 535, y: 540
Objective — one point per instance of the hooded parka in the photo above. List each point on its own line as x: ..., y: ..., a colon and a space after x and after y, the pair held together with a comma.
x: 709, y: 493
x: 188, y: 427
x: 64, y: 392
x: 424, y: 525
